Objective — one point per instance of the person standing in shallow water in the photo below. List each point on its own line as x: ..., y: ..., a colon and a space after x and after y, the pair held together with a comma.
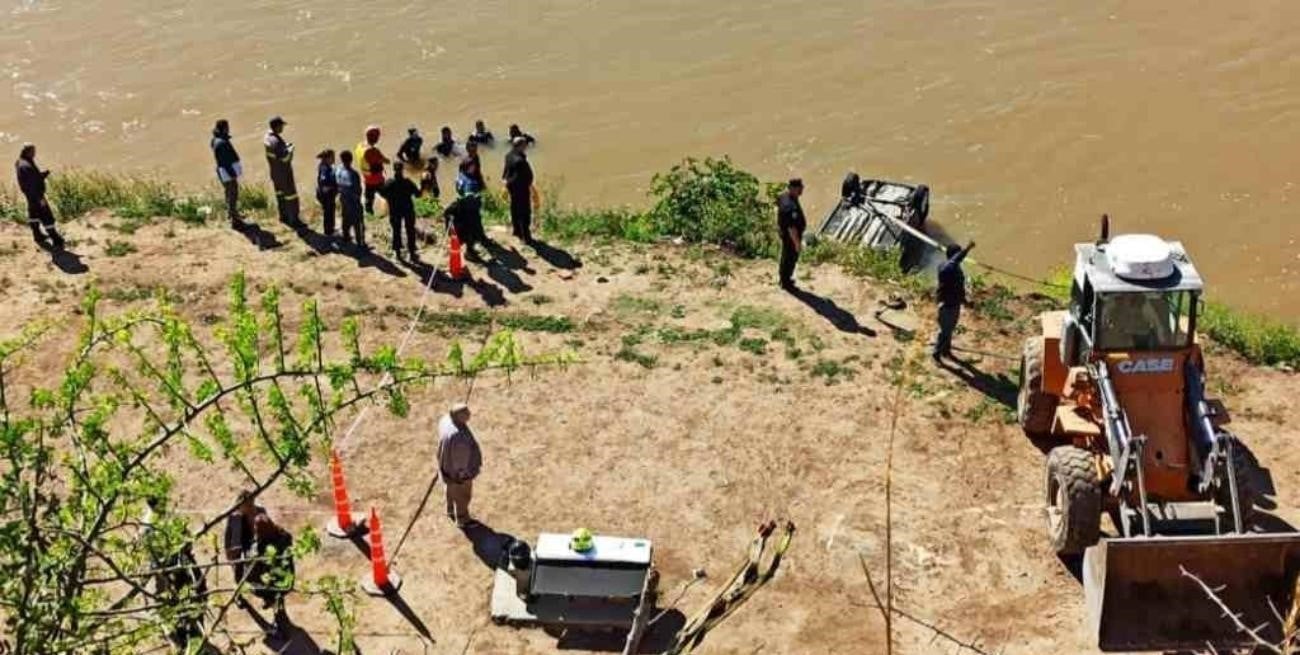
x: 31, y: 181
x: 229, y: 169
x: 790, y: 225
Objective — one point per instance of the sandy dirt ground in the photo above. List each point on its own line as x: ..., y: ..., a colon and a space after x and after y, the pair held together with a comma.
x: 692, y: 446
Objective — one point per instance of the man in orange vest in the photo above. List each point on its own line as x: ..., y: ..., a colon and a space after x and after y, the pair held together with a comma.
x: 372, y: 166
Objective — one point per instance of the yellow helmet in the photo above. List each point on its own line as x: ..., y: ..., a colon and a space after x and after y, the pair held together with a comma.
x: 582, y: 541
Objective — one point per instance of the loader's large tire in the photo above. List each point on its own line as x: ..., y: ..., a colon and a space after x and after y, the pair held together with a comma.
x: 1073, y: 500
x: 1246, y: 470
x: 1035, y: 408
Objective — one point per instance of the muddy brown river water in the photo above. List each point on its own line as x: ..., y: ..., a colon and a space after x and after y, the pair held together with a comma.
x: 1028, y: 119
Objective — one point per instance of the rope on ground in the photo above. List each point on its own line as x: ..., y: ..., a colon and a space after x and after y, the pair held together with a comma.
x: 406, y: 338
x: 928, y: 240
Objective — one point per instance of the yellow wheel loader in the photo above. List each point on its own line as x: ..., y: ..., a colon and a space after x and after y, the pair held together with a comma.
x: 1116, y: 384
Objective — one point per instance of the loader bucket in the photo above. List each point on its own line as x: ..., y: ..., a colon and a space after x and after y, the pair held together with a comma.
x: 1139, y: 600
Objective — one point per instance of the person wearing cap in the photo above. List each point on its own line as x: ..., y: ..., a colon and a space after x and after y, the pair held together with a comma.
x: 459, y: 461
x: 327, y: 189
x: 31, y: 182
x: 229, y: 170
x: 400, y: 193
x: 349, y: 183
x: 372, y: 162
x: 951, y: 294
x: 279, y: 158
x: 481, y: 135
x: 409, y: 152
x: 446, y: 143
x: 790, y: 224
x: 518, y: 176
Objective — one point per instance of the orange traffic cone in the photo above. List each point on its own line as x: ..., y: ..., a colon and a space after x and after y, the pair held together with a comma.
x: 456, y: 265
x: 381, y: 581
x: 344, y: 525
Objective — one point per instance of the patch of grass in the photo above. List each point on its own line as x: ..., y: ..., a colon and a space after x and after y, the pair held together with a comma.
x: 679, y: 311
x: 673, y: 335
x: 119, y: 248
x: 531, y: 323
x: 540, y: 299
x: 629, y: 304
x: 1260, y: 340
x: 991, y: 299
x: 884, y: 265
x: 628, y: 352
x: 832, y: 370
x: 428, y: 207
x: 624, y: 224
x: 475, y: 320
x: 755, y: 346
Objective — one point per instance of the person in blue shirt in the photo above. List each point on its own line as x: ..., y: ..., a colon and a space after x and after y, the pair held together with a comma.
x: 349, y: 184
x: 327, y: 189
x: 951, y: 296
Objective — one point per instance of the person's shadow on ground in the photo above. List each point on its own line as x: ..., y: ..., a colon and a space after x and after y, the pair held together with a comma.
x: 842, y: 319
x: 501, y: 268
x: 65, y: 260
x: 258, y: 237
x: 292, y: 640
x: 556, y: 257
x: 330, y: 245
x: 489, y: 545
x: 1000, y: 388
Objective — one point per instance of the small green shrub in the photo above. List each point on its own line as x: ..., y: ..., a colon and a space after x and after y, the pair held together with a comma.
x: 118, y: 248
x: 629, y: 353
x: 832, y: 370
x: 428, y: 207
x: 713, y: 201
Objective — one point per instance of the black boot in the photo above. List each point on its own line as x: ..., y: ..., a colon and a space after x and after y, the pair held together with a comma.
x: 56, y: 238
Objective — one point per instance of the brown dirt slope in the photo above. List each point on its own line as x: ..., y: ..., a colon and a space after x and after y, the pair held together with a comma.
x: 689, y: 441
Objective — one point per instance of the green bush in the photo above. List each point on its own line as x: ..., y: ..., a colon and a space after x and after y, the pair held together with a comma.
x: 1260, y: 340
x: 712, y: 201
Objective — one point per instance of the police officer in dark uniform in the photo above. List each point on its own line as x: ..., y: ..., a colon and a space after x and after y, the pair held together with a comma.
x: 400, y: 193
x: 279, y: 158
x: 31, y: 181
x: 790, y: 225
x: 518, y: 176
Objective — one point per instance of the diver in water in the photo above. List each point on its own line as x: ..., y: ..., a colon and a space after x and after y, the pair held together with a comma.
x: 409, y: 152
x: 482, y: 135
x: 516, y: 133
x: 447, y: 144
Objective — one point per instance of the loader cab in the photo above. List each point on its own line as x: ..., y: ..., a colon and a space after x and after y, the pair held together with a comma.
x: 1133, y: 293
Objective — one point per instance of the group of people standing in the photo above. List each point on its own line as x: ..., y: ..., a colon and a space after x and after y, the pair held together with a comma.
x: 344, y: 190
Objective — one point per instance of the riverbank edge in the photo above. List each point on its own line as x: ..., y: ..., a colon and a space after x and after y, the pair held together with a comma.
x: 135, y: 200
